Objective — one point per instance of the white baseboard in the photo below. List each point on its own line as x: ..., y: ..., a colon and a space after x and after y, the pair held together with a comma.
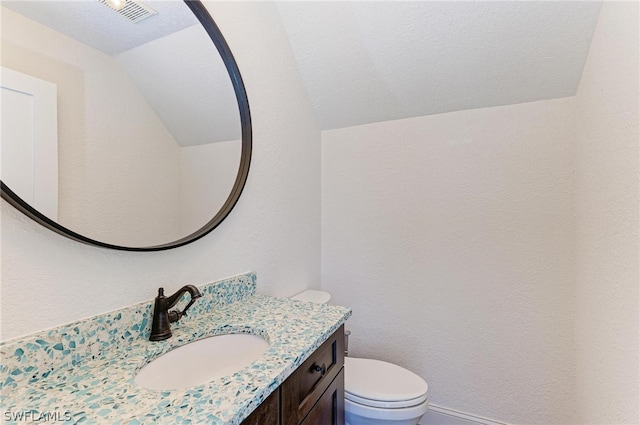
x: 444, y: 416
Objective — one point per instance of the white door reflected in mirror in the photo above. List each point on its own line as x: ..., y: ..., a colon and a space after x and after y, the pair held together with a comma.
x: 29, y: 140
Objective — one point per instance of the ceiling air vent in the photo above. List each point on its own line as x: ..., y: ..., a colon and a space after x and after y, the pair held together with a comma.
x: 132, y: 10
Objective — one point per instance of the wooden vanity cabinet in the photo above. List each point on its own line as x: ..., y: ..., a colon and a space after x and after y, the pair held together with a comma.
x: 268, y: 413
x: 329, y: 410
x: 313, y: 394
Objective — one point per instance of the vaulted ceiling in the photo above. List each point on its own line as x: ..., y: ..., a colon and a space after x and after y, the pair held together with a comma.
x: 361, y: 61
x: 369, y: 61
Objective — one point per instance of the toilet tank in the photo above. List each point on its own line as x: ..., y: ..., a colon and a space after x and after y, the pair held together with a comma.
x: 314, y: 296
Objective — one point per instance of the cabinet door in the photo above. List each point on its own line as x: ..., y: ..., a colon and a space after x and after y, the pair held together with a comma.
x: 329, y: 410
x: 268, y: 413
x: 301, y: 391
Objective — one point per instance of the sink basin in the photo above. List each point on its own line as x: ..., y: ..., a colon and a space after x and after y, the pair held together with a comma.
x: 201, y: 361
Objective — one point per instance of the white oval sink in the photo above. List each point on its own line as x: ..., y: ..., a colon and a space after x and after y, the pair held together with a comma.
x: 201, y: 361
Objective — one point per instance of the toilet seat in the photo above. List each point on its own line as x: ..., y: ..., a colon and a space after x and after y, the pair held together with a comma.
x: 385, y: 404
x: 378, y: 384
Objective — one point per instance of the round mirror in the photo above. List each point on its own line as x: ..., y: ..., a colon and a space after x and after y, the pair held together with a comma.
x: 124, y: 124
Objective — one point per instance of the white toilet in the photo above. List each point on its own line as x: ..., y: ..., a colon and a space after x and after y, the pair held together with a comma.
x: 377, y: 392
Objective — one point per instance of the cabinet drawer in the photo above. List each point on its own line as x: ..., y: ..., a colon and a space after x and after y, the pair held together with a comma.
x: 267, y: 413
x: 301, y: 391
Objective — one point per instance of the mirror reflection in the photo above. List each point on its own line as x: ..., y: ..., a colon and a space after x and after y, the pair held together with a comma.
x: 142, y: 138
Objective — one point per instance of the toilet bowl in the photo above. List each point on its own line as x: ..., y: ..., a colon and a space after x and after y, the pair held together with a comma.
x: 378, y: 392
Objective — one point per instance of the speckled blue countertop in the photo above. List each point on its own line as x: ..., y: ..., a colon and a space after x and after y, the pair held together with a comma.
x: 84, y: 372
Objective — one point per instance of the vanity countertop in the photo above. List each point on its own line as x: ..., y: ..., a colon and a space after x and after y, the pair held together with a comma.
x: 100, y: 389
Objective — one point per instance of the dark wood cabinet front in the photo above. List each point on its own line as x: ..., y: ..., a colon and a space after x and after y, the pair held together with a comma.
x: 268, y: 413
x: 302, y: 390
x: 329, y: 410
x: 313, y: 394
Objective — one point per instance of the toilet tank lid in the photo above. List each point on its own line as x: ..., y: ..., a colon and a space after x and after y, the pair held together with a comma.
x: 314, y: 296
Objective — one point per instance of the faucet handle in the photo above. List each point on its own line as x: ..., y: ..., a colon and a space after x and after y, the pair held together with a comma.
x: 175, y: 315
x: 191, y: 301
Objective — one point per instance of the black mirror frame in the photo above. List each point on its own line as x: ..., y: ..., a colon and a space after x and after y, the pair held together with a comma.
x: 212, y: 29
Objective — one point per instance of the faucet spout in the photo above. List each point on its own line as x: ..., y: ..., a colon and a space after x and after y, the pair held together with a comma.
x: 162, y: 317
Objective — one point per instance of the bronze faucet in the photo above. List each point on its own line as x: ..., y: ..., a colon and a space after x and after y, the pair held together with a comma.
x: 160, y: 328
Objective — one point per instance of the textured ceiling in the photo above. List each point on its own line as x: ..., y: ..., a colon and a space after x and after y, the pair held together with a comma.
x: 100, y: 27
x: 197, y: 102
x: 200, y: 107
x: 360, y: 61
x: 364, y: 62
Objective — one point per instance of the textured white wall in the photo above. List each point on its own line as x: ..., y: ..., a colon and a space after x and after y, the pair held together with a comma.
x: 207, y: 174
x: 451, y: 237
x: 100, y: 113
x: 48, y: 280
x: 607, y: 276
